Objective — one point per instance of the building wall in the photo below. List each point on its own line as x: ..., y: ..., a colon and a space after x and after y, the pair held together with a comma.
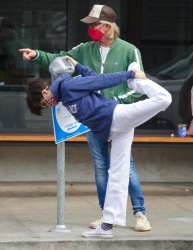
x: 39, y: 163
x: 153, y: 164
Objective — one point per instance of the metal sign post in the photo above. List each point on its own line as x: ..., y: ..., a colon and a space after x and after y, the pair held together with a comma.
x: 60, y: 227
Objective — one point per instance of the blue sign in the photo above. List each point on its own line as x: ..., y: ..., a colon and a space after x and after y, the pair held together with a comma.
x: 65, y: 125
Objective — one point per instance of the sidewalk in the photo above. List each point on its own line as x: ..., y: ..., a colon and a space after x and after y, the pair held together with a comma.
x: 26, y: 221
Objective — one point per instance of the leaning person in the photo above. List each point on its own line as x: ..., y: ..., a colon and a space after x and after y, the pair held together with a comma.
x: 108, y: 120
x: 106, y: 53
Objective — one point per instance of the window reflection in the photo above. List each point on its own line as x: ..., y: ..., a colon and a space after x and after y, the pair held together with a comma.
x: 166, y: 46
x: 13, y: 70
x: 42, y: 29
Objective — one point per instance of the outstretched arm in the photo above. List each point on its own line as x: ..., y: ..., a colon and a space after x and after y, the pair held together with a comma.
x: 86, y: 71
x: 97, y: 82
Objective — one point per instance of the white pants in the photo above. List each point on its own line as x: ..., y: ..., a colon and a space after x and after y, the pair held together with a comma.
x: 125, y: 118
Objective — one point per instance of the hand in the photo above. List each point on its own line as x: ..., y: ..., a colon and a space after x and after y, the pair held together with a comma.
x: 72, y: 60
x: 28, y: 54
x: 140, y: 74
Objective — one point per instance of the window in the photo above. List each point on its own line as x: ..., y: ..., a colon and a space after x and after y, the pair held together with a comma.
x: 166, y: 37
x: 161, y: 29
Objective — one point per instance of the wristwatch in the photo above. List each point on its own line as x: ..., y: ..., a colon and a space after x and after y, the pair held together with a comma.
x: 133, y: 72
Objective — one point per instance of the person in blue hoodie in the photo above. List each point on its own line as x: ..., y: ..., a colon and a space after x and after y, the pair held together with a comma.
x: 107, y: 119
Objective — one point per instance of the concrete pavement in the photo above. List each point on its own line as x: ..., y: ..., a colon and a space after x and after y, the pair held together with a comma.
x: 26, y: 221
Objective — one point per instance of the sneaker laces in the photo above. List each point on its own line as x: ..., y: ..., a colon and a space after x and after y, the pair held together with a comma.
x: 140, y: 217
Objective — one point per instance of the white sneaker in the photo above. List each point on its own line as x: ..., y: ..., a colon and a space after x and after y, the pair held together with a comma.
x: 142, y: 224
x: 98, y: 233
x: 135, y: 66
x: 97, y: 222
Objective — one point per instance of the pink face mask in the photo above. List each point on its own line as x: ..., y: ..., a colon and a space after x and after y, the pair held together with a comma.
x: 50, y: 103
x: 95, y: 35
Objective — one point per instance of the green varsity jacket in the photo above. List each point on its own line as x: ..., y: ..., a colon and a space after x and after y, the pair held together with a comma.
x: 121, y: 54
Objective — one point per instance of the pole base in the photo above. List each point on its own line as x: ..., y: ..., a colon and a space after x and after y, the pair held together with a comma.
x: 60, y: 229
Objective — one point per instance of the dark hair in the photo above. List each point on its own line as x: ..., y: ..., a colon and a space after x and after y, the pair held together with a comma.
x: 34, y: 94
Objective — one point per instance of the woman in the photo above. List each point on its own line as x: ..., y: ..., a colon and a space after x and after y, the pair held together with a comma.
x: 108, y: 120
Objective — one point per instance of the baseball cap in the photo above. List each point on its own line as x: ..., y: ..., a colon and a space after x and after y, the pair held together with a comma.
x: 100, y: 12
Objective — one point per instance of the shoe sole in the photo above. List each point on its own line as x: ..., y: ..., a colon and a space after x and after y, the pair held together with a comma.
x: 92, y: 227
x: 97, y: 236
x: 142, y: 229
x: 131, y: 66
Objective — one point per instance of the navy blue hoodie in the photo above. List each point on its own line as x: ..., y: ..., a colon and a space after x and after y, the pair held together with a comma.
x: 80, y: 96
